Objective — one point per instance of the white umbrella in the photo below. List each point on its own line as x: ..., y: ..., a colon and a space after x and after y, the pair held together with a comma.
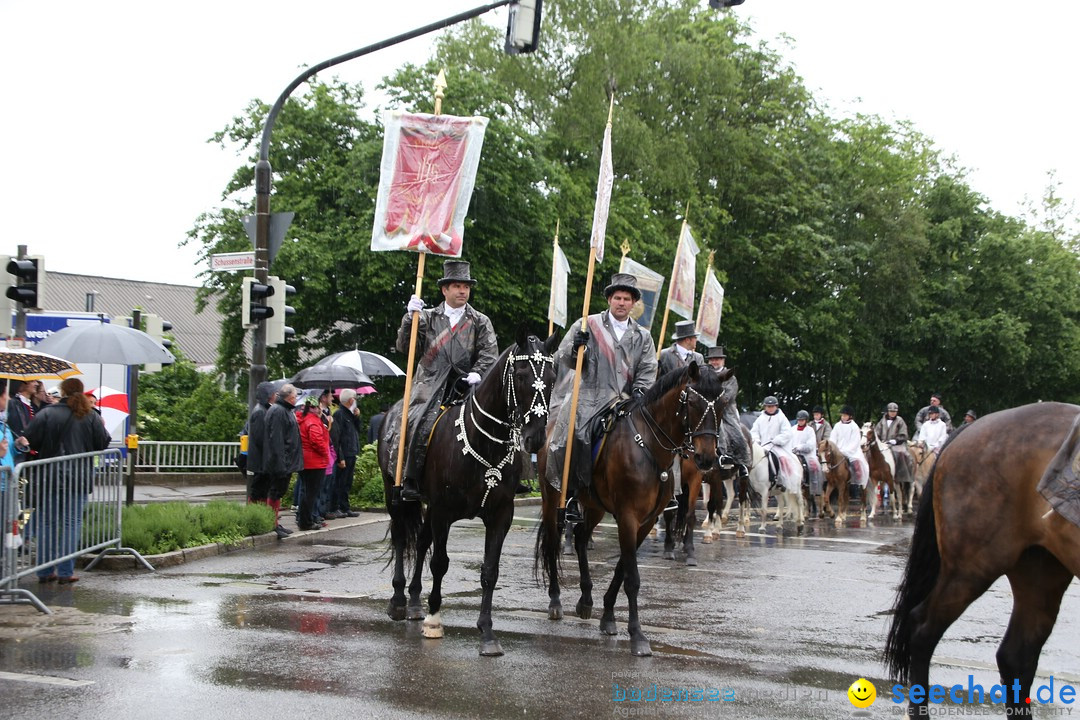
x: 105, y: 344
x: 369, y: 363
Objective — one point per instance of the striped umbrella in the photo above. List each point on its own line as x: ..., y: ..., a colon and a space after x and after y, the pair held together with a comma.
x: 23, y: 364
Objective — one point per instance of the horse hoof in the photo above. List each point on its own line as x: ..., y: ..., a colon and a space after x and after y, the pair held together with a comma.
x: 707, y: 539
x: 740, y: 534
x: 490, y: 648
x: 414, y: 612
x: 433, y: 627
x: 608, y: 626
x: 591, y: 545
x: 691, y: 561
x: 584, y: 611
x: 799, y: 529
x: 567, y: 549
x: 640, y: 648
x: 554, y: 612
x: 396, y: 612
x: 669, y: 554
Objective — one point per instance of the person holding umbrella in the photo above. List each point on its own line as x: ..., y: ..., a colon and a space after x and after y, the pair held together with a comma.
x: 69, y: 427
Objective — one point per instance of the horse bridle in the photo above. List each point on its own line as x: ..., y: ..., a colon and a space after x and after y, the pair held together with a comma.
x: 685, y: 449
x: 538, y: 406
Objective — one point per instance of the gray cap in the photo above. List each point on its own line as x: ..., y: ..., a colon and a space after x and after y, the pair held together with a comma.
x: 802, y: 415
x: 770, y: 400
x: 894, y: 407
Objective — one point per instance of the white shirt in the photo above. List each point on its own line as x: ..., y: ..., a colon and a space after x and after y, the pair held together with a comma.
x: 934, y: 433
x: 618, y: 327
x: 453, y: 314
x: 848, y: 439
x: 774, y: 429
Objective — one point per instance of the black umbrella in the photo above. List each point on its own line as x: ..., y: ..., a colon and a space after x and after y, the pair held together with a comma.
x: 334, y: 377
x: 367, y: 362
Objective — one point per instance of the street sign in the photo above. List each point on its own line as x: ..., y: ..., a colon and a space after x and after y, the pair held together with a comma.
x: 225, y: 262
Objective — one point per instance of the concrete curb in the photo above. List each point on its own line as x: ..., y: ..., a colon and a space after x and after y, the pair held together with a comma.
x: 120, y: 563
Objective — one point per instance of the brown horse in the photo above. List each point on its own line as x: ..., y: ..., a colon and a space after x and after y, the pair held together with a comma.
x: 882, y: 472
x: 983, y: 518
x: 838, y: 478
x: 922, y: 461
x: 680, y: 523
x: 628, y: 482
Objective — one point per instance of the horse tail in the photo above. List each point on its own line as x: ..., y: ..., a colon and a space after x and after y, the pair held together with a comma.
x: 920, y: 576
x: 547, y: 555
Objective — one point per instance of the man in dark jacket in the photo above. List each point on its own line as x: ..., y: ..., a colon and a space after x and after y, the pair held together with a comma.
x: 282, y: 454
x: 345, y: 437
x: 258, y: 484
x: 20, y: 412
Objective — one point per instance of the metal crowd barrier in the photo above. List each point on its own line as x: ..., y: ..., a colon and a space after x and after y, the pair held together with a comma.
x: 56, y: 510
x: 159, y: 456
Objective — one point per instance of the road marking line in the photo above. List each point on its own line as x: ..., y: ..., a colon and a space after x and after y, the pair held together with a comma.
x: 44, y: 679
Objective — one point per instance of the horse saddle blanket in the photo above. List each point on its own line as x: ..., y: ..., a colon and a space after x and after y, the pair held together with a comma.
x: 1060, y: 483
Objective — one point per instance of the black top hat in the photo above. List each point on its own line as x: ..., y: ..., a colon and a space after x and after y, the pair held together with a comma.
x: 716, y: 352
x: 684, y: 329
x: 623, y: 281
x: 455, y: 271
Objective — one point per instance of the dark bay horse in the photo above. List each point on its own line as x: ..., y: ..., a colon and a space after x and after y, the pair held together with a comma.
x: 981, y: 518
x: 472, y: 469
x: 680, y: 415
x: 838, y: 478
x: 679, y: 524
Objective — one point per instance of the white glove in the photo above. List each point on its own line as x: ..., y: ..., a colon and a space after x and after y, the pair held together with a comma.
x: 892, y: 442
x: 472, y: 378
x: 415, y: 304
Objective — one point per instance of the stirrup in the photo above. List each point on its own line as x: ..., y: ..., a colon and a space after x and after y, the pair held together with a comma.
x: 573, y: 511
x: 672, y: 504
x: 410, y: 492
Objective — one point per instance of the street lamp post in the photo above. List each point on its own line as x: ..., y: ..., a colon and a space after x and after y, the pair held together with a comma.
x: 263, y: 171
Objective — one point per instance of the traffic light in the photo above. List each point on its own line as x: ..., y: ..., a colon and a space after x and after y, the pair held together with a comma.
x: 523, y: 27
x: 29, y: 278
x: 720, y: 4
x: 277, y: 332
x: 255, y: 307
x: 156, y: 328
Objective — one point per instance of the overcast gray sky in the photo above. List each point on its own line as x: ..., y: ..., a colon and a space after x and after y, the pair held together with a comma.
x: 108, y: 105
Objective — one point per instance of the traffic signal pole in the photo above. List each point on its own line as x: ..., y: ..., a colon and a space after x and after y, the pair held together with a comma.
x: 263, y: 171
x: 20, y: 309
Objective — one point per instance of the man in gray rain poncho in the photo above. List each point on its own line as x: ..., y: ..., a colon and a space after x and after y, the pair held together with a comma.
x: 454, y: 342
x: 620, y: 361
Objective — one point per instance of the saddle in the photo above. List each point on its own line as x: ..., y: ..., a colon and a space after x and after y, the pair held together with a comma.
x: 774, y: 468
x: 600, y: 424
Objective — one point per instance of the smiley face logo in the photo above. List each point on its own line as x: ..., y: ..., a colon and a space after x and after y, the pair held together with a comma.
x: 862, y: 693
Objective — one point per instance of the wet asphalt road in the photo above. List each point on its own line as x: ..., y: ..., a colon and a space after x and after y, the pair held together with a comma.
x: 776, y: 626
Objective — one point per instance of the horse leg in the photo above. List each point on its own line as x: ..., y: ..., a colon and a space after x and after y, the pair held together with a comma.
x: 729, y: 486
x: 896, y: 499
x: 842, y: 490
x: 872, y: 488
x: 568, y: 540
x: 1038, y: 582
x: 629, y: 540
x: 765, y: 509
x: 489, y: 576
x: 581, y: 544
x: 669, y: 537
x: 396, y: 609
x: 691, y: 520
x: 547, y: 550
x: 440, y: 562
x: 415, y: 609
x: 607, y: 620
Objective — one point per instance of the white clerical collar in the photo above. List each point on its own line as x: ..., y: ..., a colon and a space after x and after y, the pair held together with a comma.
x: 453, y: 314
x: 619, y: 327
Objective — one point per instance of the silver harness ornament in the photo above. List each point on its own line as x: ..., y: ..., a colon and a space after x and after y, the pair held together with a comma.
x: 538, y: 407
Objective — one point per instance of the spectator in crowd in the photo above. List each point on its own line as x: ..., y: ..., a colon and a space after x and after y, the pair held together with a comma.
x: 69, y: 427
x: 282, y: 454
x: 345, y: 439
x: 7, y: 440
x: 315, y: 445
x: 20, y: 412
x: 924, y: 413
x: 375, y: 426
x: 822, y: 427
x: 258, y: 481
x: 969, y: 417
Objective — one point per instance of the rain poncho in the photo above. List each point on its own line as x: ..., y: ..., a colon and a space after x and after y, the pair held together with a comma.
x: 804, y: 443
x: 848, y: 439
x: 611, y: 369
x: 446, y: 354
x: 774, y: 434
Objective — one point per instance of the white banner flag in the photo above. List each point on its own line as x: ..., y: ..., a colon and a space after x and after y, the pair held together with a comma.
x: 426, y: 181
x: 649, y: 283
x: 560, y: 269
x: 684, y: 276
x: 712, y: 304
x: 603, y: 197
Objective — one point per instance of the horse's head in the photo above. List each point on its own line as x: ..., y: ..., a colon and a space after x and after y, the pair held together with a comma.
x: 528, y: 377
x: 824, y: 452
x: 868, y: 436
x: 703, y: 402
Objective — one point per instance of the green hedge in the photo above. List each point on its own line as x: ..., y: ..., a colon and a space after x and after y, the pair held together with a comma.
x: 163, y: 527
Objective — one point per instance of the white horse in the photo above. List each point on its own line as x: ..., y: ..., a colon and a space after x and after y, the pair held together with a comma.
x: 789, y: 503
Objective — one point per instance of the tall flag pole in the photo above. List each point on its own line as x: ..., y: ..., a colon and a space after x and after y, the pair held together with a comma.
x: 558, y: 265
x: 674, y: 280
x: 596, y: 253
x: 440, y: 91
